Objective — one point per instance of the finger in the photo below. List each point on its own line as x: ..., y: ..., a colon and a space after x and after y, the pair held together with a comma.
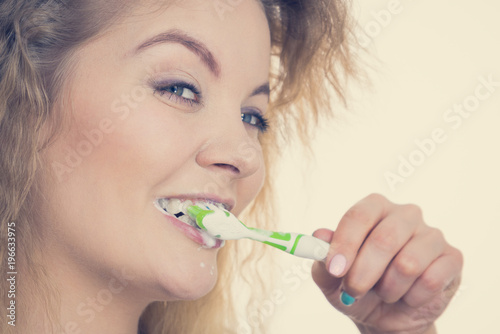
x: 380, y: 248
x: 411, y: 262
x: 328, y: 284
x: 324, y: 234
x: 352, y: 230
x: 440, y: 279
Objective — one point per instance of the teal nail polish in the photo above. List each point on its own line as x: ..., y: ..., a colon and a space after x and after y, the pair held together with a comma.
x: 346, y: 299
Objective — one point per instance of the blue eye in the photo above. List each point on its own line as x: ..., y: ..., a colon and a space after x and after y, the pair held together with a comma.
x: 255, y: 119
x: 181, y: 92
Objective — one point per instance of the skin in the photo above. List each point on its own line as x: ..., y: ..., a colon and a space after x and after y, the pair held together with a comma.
x: 100, y: 227
x: 402, y: 272
x: 103, y: 237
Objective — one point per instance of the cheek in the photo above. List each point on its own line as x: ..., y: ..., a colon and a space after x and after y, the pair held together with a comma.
x: 250, y: 187
x: 106, y: 145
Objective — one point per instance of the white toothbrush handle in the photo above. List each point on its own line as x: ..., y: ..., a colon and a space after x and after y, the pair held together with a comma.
x: 311, y: 248
x: 222, y: 224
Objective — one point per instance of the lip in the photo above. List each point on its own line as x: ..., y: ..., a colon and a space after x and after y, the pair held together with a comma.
x: 193, y: 233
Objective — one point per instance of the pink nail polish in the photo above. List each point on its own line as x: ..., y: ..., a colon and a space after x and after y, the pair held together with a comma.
x: 337, y: 265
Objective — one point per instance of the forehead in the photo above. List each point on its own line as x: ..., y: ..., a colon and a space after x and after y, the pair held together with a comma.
x: 233, y: 32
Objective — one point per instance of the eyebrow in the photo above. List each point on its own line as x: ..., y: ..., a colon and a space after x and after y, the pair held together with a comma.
x: 192, y: 44
x: 262, y: 89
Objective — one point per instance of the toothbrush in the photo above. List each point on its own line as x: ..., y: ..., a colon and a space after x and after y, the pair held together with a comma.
x: 224, y: 225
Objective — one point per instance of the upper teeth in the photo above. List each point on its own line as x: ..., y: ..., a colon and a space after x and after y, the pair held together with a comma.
x: 178, y: 208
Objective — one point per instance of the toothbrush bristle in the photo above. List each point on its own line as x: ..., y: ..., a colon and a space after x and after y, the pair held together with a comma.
x: 197, y: 213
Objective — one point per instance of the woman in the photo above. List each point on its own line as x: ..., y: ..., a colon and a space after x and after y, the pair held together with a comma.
x: 110, y: 106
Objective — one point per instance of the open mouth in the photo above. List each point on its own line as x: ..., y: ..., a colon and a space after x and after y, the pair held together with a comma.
x: 178, y: 208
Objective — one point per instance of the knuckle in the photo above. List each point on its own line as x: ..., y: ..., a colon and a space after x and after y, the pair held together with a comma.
x: 412, y: 210
x: 357, y: 213
x: 385, y: 286
x: 356, y: 287
x: 408, y: 265
x: 385, y: 242
x: 432, y: 284
x: 413, y: 301
x: 376, y: 198
x: 436, y: 234
x: 348, y: 246
x: 458, y: 257
x: 386, y: 294
x: 435, y: 238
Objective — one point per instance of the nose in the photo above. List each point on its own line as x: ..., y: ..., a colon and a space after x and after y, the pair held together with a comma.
x: 231, y: 151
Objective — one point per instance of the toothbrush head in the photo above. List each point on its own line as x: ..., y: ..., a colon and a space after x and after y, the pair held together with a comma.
x: 198, y: 214
x: 218, y: 223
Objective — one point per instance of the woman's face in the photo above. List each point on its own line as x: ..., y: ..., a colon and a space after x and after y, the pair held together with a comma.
x: 165, y: 104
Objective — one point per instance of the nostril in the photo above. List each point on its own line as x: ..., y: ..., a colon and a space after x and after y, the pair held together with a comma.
x: 229, y: 167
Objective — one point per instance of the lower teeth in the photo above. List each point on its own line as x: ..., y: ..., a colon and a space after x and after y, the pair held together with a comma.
x: 186, y: 219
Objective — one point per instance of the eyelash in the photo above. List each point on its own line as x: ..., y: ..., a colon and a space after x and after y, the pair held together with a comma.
x: 163, y: 89
x: 262, y: 122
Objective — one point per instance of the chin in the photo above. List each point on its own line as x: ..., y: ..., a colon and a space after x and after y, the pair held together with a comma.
x: 190, y: 280
x: 195, y: 287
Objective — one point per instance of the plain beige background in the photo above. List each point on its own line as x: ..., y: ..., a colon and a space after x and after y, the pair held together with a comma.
x: 431, y: 55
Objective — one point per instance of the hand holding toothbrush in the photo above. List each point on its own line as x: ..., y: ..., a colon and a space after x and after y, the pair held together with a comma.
x: 400, y: 272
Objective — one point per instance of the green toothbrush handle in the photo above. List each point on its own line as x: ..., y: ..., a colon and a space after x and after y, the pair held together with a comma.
x: 301, y: 245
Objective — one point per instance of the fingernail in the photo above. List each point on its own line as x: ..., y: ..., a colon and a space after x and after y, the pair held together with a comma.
x: 346, y: 299
x: 337, y: 265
